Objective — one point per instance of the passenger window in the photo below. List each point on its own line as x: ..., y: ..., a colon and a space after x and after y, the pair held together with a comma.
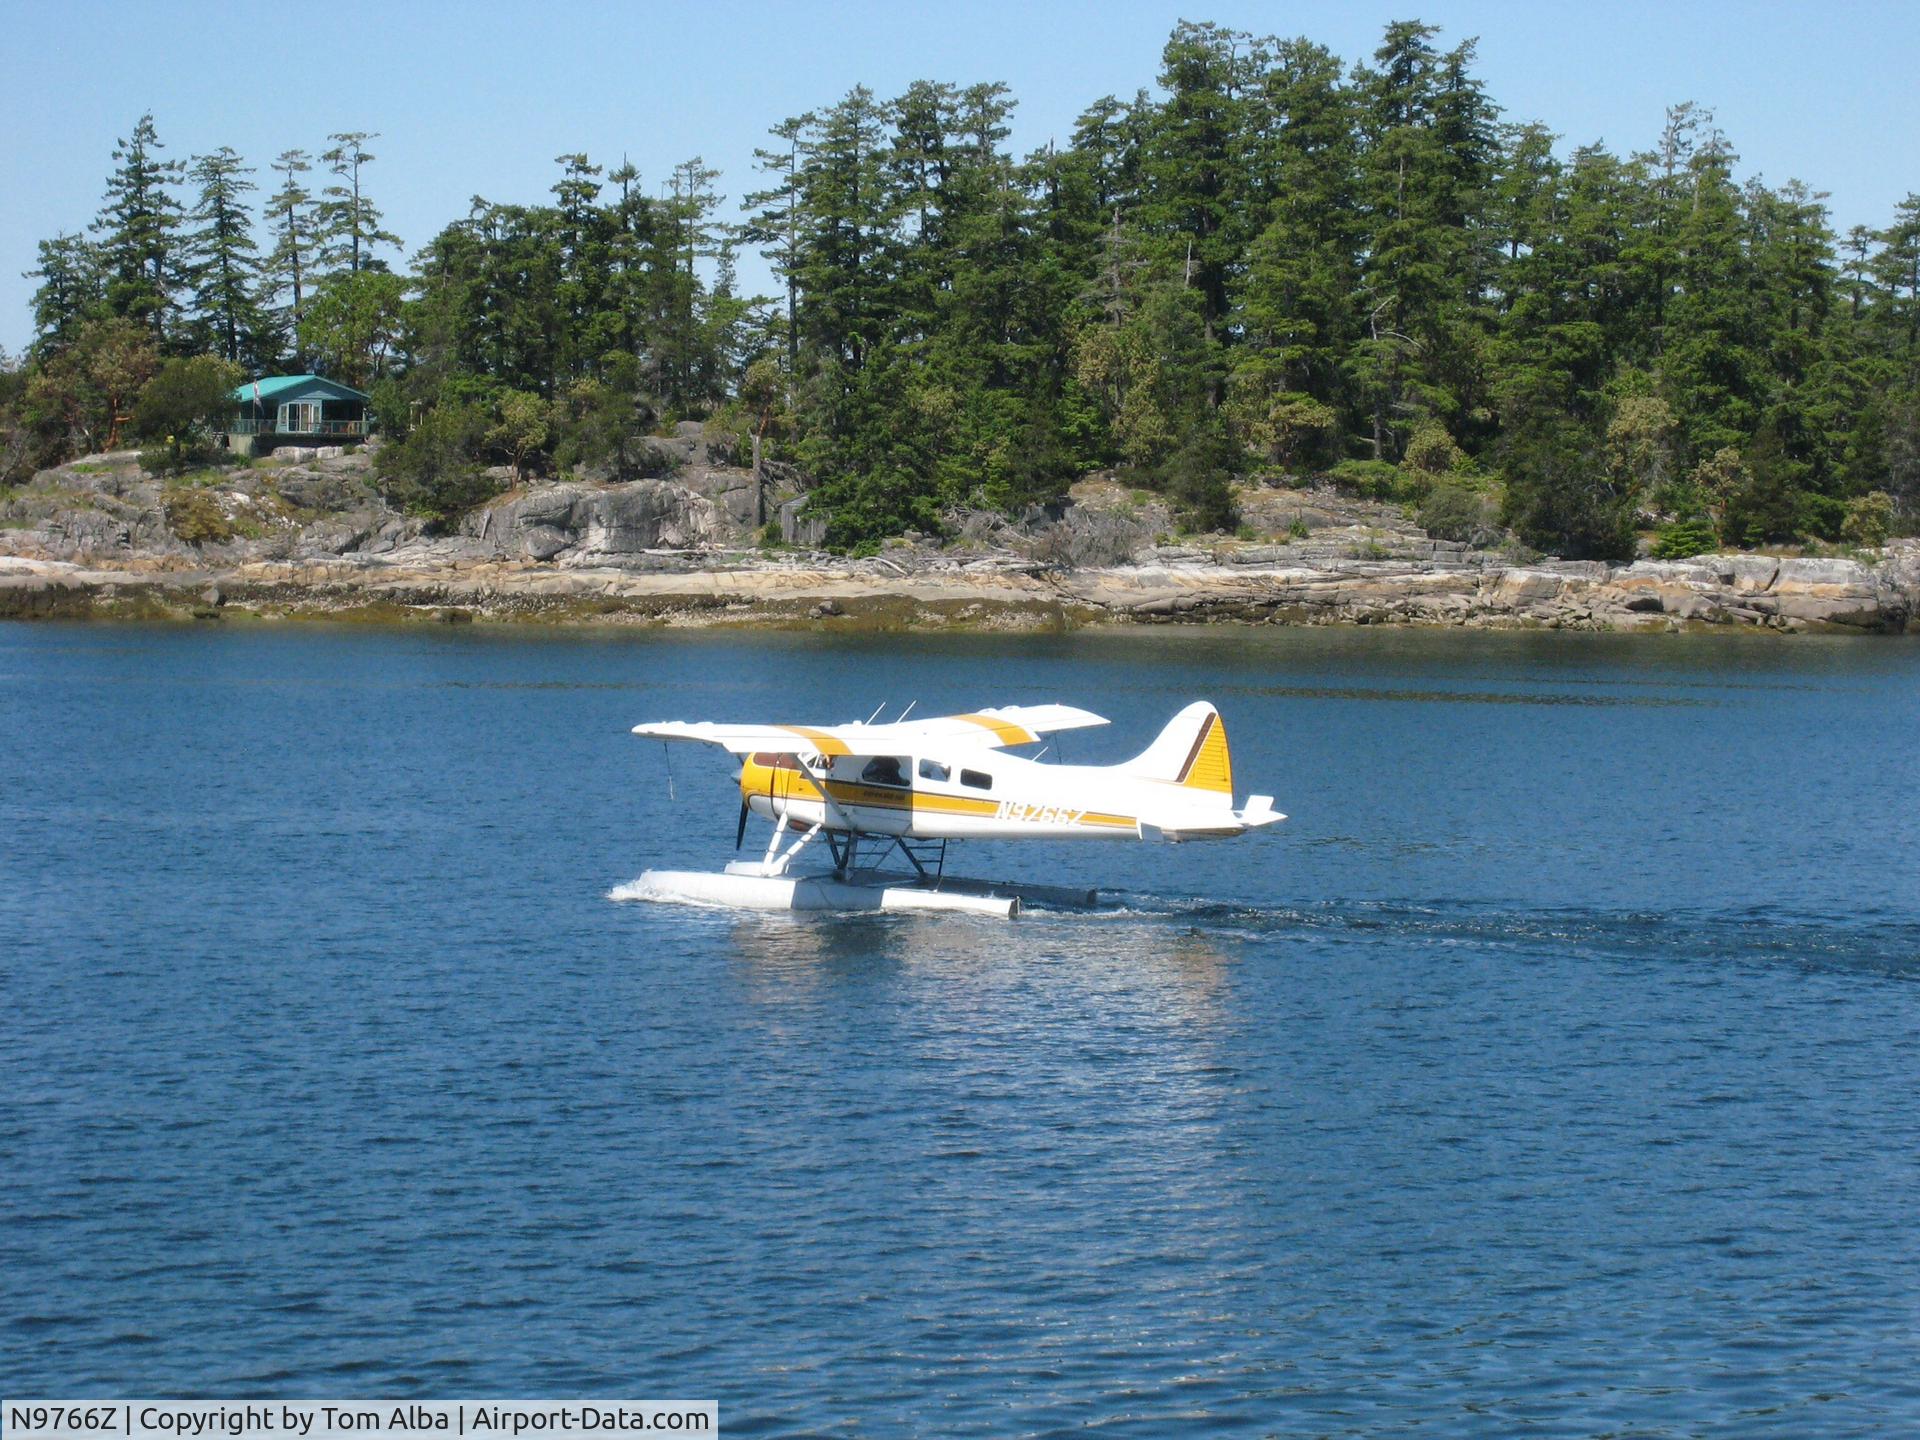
x: 976, y: 779
x: 933, y: 770
x: 884, y: 770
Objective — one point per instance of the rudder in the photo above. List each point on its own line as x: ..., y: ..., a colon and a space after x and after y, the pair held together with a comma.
x: 1191, y: 751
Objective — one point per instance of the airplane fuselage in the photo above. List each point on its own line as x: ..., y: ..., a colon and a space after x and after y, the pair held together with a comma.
x: 974, y: 795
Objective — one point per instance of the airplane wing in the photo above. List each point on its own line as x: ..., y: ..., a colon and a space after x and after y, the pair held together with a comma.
x: 748, y: 739
x: 1003, y: 725
x: 989, y: 729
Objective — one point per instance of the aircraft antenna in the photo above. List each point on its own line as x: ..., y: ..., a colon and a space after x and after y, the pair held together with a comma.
x: 906, y: 712
x: 876, y: 712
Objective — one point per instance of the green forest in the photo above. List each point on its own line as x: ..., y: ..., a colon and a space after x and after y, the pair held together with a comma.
x: 1276, y: 262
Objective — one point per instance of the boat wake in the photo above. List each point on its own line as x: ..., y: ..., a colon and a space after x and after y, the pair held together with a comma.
x: 1888, y: 946
x: 643, y: 887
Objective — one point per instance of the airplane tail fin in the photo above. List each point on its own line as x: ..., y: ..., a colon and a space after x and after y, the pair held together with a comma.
x: 1191, y: 752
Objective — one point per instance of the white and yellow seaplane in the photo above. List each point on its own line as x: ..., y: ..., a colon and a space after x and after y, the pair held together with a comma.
x: 914, y: 785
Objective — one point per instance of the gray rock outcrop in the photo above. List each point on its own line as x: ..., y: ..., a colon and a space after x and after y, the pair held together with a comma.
x: 578, y: 523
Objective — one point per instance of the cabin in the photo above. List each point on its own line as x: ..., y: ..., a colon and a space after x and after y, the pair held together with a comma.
x: 280, y: 410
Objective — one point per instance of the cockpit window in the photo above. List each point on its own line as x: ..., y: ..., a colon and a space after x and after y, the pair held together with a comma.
x: 884, y: 770
x: 977, y: 779
x: 933, y: 770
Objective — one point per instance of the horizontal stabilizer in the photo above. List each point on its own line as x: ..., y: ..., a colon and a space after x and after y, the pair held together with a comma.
x: 1216, y: 825
x: 1259, y: 811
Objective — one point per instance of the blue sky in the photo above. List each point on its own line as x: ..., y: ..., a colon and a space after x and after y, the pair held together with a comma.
x: 478, y: 97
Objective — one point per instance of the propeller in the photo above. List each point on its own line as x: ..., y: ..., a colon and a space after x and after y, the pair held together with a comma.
x: 740, y: 830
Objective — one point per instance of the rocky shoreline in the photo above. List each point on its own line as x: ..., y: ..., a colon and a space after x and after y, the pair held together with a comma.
x: 307, y: 539
x: 1754, y: 592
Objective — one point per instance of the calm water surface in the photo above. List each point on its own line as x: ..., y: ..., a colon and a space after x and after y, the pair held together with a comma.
x: 1552, y: 1071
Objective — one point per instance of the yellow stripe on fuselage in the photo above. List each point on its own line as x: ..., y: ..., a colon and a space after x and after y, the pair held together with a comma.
x: 776, y: 782
x: 873, y: 797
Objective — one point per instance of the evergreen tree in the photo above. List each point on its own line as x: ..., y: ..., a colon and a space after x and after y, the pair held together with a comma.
x: 1560, y: 292
x: 1709, y: 363
x: 348, y: 221
x: 689, y: 235
x: 590, y: 326
x: 294, y: 224
x: 222, y: 260
x: 1411, y: 255
x: 1297, y: 304
x: 71, y: 291
x: 1896, y: 270
x: 844, y: 194
x: 1272, y: 254
x: 630, y: 238
x: 775, y: 224
x: 139, y: 228
x: 1193, y: 201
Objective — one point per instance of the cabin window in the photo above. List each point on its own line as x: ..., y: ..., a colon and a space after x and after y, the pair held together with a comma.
x: 884, y: 770
x: 299, y: 417
x: 978, y: 779
x: 933, y: 770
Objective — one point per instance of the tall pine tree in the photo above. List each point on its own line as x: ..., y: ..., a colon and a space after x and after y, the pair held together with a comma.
x: 139, y: 229
x: 222, y: 261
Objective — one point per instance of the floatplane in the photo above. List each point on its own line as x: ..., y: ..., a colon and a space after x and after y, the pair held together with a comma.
x: 874, y: 788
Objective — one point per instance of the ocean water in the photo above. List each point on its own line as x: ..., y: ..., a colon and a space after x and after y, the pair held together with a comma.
x: 1553, y: 1070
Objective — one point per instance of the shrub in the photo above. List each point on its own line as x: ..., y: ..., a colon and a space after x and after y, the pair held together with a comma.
x: 187, y: 398
x: 1292, y: 430
x: 1559, y: 499
x: 195, y: 517
x: 1768, y: 500
x: 1684, y: 539
x: 175, y: 456
x: 1821, y: 515
x: 728, y: 438
x: 1297, y: 528
x: 522, y: 428
x: 1368, y: 479
x: 1198, y: 478
x: 601, y: 425
x: 1302, y: 430
x: 435, y: 472
x: 1431, y: 451
x: 1869, y: 519
x: 392, y: 411
x: 1453, y: 512
x: 1639, y: 444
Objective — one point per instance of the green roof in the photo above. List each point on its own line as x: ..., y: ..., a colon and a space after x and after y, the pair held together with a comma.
x: 274, y: 387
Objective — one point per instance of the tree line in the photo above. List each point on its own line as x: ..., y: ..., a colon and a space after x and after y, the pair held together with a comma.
x: 1275, y: 263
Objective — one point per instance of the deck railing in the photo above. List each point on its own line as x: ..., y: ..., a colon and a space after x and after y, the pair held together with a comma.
x: 354, y: 429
